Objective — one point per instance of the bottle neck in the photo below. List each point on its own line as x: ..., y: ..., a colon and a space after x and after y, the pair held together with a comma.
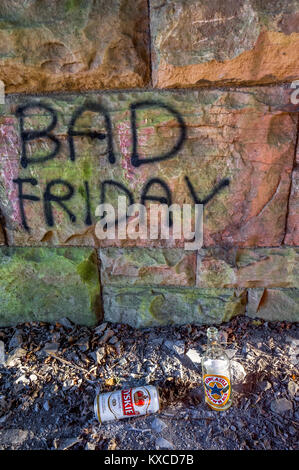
x: 213, y: 339
x: 213, y: 335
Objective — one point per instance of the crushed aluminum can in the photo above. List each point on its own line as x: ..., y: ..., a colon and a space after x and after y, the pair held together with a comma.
x: 126, y: 403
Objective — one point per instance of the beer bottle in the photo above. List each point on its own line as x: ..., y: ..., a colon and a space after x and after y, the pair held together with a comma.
x: 216, y: 374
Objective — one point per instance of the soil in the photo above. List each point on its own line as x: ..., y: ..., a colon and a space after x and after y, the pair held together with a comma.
x: 50, y: 374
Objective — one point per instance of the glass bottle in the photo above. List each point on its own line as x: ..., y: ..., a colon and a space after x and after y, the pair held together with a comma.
x: 216, y: 373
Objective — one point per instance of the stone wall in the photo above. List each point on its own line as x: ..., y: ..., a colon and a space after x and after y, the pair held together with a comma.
x: 186, y: 100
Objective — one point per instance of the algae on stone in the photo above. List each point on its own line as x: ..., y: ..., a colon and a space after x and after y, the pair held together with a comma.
x: 157, y: 306
x: 47, y: 284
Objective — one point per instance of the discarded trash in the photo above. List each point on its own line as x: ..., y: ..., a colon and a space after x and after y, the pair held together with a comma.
x: 126, y: 403
x: 216, y: 373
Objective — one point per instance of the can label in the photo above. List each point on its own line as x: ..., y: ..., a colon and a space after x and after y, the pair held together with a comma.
x: 217, y: 389
x: 126, y: 403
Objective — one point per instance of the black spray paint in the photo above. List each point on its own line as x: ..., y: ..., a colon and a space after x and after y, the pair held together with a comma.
x: 49, y: 196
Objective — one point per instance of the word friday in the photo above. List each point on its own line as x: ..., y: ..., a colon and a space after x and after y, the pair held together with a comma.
x: 49, y: 196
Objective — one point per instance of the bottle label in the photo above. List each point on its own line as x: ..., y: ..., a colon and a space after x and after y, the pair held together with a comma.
x: 217, y: 389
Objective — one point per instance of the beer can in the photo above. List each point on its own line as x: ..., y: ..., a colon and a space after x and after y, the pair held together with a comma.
x: 126, y: 403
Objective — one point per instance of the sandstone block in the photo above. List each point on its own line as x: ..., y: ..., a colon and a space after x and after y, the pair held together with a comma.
x: 47, y: 284
x: 145, y: 266
x: 197, y: 43
x: 245, y: 267
x: 231, y: 150
x: 273, y: 304
x: 156, y: 306
x: 73, y: 45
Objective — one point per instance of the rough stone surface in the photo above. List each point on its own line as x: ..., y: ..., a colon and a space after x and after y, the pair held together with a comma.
x: 150, y: 306
x: 237, y: 267
x: 15, y: 437
x: 73, y: 45
x: 246, y: 136
x: 281, y: 405
x: 47, y: 284
x: 198, y: 43
x: 158, y: 425
x: 273, y: 304
x: 126, y: 266
x: 292, y: 229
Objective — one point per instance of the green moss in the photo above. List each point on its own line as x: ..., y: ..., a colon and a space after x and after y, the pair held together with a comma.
x: 219, y: 274
x: 87, y: 270
x: 149, y: 306
x: 72, y: 5
x: 87, y: 170
x: 157, y: 308
x: 144, y: 256
x: 48, y: 284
